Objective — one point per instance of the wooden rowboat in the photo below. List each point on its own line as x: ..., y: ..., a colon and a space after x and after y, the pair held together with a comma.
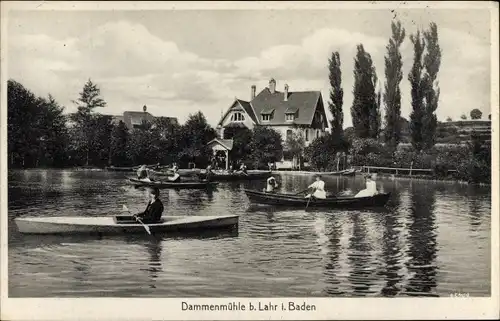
x: 174, y: 185
x: 129, y: 169
x: 301, y: 201
x: 235, y: 176
x: 346, y: 172
x: 120, y: 224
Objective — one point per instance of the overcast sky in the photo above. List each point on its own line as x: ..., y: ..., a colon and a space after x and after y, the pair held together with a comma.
x: 179, y: 62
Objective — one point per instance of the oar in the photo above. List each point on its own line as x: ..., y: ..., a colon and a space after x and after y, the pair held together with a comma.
x: 307, y: 205
x: 125, y: 208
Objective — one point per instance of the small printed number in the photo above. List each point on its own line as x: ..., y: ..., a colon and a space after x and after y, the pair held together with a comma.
x: 459, y: 295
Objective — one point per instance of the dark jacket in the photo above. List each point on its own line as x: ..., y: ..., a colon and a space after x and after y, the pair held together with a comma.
x: 153, y: 212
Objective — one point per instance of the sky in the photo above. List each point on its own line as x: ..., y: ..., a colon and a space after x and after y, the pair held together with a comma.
x: 177, y: 62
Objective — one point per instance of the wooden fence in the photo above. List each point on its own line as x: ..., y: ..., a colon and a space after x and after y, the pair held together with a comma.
x: 399, y: 170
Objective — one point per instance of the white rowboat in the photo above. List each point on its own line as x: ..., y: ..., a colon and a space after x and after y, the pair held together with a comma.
x: 114, y: 225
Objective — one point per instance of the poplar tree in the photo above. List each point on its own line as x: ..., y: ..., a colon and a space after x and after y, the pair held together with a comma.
x: 392, y: 92
x: 432, y: 62
x: 417, y: 92
x: 336, y: 94
x: 364, y: 110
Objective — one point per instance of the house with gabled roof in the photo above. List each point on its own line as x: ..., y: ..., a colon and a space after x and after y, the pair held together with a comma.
x: 285, y: 111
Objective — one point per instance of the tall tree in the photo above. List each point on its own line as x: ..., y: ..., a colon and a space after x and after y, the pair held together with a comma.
x: 336, y: 94
x: 364, y: 110
x: 392, y: 92
x: 85, y: 119
x: 432, y: 63
x: 195, y: 134
x: 417, y: 92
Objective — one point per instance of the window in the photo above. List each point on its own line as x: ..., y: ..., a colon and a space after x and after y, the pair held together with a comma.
x: 289, y: 133
x: 237, y: 117
x: 307, y: 134
x: 266, y: 117
x: 317, y: 133
x: 289, y: 117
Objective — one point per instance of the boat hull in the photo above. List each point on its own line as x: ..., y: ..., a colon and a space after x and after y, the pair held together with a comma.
x: 378, y: 200
x: 235, y: 176
x: 107, y: 225
x: 180, y: 185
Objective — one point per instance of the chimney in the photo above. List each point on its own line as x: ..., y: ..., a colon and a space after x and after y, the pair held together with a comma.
x: 286, y: 92
x: 272, y: 86
x: 252, y: 95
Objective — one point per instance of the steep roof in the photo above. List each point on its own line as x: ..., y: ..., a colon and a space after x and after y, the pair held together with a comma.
x: 248, y: 109
x: 305, y: 102
x: 226, y: 143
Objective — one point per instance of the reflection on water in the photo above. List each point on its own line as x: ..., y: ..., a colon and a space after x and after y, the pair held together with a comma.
x: 422, y: 244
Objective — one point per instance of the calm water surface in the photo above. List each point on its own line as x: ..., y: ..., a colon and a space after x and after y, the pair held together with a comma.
x: 432, y: 240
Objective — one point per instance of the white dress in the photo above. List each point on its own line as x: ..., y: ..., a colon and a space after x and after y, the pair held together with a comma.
x: 370, y: 190
x: 271, y: 185
x: 319, y: 190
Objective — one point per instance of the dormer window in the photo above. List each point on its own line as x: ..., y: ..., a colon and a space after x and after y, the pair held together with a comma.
x: 237, y: 117
x: 267, y: 115
x: 291, y: 114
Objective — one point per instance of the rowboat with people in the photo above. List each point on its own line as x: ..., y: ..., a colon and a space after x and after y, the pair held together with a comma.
x: 130, y: 169
x: 173, y: 185
x: 121, y: 224
x: 296, y: 200
x: 218, y: 175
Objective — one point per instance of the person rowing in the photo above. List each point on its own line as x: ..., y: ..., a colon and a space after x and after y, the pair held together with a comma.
x: 371, y: 187
x: 143, y: 173
x: 272, y: 185
x: 318, y: 188
x: 154, y: 209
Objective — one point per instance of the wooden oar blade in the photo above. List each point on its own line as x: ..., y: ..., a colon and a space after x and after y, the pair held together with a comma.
x: 147, y: 229
x: 125, y: 208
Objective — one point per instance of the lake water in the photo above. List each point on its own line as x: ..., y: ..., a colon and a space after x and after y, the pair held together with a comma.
x: 432, y: 240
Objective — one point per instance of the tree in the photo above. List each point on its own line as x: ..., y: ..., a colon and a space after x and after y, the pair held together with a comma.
x: 295, y: 144
x: 119, y: 144
x: 322, y: 153
x: 336, y: 94
x: 242, y: 138
x: 194, y: 137
x: 266, y: 146
x: 432, y: 63
x: 85, y: 119
x: 476, y: 114
x: 449, y: 119
x: 364, y: 110
x: 489, y: 116
x: 36, y: 129
x: 392, y: 92
x: 463, y: 117
x: 417, y: 93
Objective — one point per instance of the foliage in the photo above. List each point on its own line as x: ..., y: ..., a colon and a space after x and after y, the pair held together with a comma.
x: 119, y: 143
x: 194, y: 136
x: 36, y: 130
x: 463, y: 117
x: 392, y: 93
x: 241, y: 147
x: 336, y: 94
x: 417, y: 92
x: 432, y: 63
x: 323, y: 152
x: 365, y: 107
x: 448, y: 119
x: 266, y: 147
x: 89, y: 98
x: 476, y: 114
x: 295, y: 144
